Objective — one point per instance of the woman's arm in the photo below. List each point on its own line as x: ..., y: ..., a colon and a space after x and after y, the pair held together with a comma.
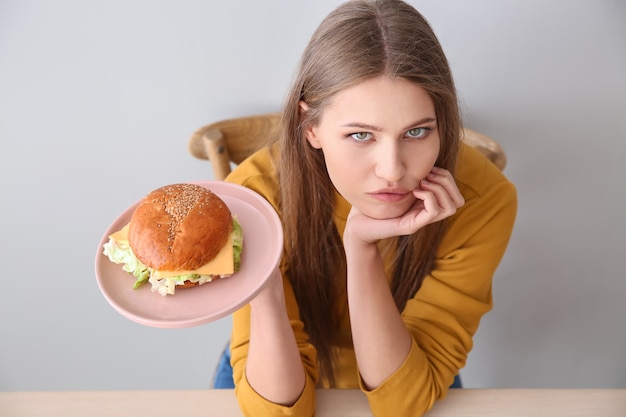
x: 262, y: 363
x: 268, y: 360
x: 381, y: 338
x: 274, y: 367
x: 445, y: 313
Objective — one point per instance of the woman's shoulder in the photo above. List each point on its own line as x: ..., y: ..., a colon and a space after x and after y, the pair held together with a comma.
x: 258, y: 173
x: 476, y: 175
x: 490, y: 202
x: 490, y: 198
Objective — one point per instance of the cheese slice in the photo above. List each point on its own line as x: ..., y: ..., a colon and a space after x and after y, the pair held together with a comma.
x: 222, y: 264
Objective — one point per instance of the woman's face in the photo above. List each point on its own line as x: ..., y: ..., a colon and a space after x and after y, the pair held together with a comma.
x: 379, y: 139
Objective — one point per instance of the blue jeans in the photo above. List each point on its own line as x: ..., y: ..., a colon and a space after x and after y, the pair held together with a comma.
x: 224, y: 374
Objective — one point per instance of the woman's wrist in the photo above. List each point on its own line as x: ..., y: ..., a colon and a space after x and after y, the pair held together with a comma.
x: 354, y: 246
x: 271, y: 297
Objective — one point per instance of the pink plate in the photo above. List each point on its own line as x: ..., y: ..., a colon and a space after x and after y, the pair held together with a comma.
x: 262, y: 250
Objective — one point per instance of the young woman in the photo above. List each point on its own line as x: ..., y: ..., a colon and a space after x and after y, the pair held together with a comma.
x: 393, y: 228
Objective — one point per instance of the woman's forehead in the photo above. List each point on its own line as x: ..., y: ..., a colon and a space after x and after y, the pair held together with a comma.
x: 380, y: 100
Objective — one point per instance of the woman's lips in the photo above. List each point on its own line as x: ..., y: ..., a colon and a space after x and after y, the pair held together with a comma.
x: 390, y: 196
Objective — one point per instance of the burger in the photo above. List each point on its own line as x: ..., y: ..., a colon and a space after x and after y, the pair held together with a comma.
x: 179, y: 236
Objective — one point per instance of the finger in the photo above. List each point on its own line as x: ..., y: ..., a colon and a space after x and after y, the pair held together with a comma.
x: 446, y: 206
x: 445, y: 179
x: 433, y: 209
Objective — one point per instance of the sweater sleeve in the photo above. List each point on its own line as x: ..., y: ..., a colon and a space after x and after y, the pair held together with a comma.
x: 250, y: 402
x: 444, y: 314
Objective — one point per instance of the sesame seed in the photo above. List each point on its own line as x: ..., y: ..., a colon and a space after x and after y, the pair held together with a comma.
x: 181, y: 198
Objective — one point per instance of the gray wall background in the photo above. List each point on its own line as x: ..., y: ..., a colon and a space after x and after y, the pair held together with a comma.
x: 98, y: 99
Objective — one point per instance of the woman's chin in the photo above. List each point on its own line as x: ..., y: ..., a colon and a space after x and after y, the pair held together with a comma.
x: 385, y: 212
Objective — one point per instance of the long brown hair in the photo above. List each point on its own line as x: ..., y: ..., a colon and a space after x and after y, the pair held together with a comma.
x: 359, y: 40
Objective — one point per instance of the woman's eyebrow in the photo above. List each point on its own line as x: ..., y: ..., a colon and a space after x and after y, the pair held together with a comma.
x: 363, y: 126
x: 373, y: 128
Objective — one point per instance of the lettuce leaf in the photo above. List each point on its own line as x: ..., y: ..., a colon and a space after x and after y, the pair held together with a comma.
x: 122, y: 254
x: 237, y: 243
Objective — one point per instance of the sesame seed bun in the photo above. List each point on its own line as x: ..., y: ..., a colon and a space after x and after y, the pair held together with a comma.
x: 179, y: 227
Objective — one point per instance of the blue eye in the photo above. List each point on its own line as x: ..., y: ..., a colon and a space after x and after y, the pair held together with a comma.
x: 418, y: 132
x: 360, y: 136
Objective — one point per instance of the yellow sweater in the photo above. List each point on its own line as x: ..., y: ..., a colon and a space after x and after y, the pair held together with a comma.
x: 442, y: 317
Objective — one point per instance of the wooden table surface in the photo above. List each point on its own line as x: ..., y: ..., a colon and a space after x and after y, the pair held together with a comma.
x: 331, y: 403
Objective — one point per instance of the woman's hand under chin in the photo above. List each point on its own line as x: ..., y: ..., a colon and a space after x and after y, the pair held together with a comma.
x: 437, y: 198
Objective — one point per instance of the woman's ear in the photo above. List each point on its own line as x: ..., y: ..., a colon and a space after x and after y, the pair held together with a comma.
x: 309, y: 130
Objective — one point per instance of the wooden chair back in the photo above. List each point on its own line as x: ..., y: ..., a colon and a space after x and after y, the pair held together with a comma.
x: 230, y: 141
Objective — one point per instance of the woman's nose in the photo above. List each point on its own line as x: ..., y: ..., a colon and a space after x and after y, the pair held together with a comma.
x: 389, y: 163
